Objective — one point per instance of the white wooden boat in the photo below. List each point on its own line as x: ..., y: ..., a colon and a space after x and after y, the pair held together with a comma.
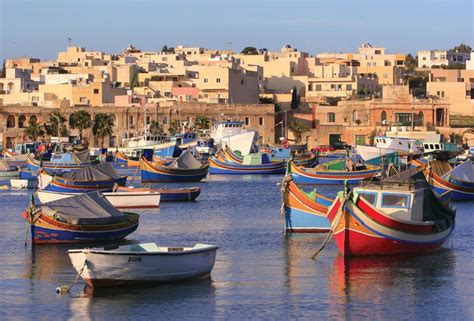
x: 23, y: 183
x: 117, y: 199
x: 143, y: 263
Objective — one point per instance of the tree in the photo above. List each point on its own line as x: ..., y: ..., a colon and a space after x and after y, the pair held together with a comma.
x: 34, y: 130
x: 411, y: 63
x: 155, y: 128
x: 81, y: 120
x: 201, y: 122
x: 175, y: 127
x: 298, y: 129
x: 462, y: 48
x: 3, y: 73
x: 295, y: 98
x: 249, y: 51
x: 55, y: 125
x: 103, y: 126
x: 167, y: 49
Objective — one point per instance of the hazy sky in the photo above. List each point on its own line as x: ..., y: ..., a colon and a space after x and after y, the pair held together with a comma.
x: 39, y: 28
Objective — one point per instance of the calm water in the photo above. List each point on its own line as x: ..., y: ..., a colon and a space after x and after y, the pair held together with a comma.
x: 259, y: 272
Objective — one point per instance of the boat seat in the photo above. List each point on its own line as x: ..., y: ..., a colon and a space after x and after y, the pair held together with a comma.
x: 147, y: 247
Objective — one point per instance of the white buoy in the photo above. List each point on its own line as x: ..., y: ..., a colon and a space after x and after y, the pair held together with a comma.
x: 63, y: 289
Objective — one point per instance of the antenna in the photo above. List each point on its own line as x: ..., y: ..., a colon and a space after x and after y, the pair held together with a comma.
x: 69, y: 39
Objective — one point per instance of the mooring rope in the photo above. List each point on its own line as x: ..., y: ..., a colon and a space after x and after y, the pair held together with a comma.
x: 67, y: 289
x: 333, y: 227
x: 284, y: 197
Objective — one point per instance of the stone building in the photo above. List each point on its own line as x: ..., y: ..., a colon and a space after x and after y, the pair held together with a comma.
x: 130, y: 121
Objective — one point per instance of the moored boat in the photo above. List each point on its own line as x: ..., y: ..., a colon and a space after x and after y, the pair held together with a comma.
x: 85, y: 217
x: 257, y: 163
x: 332, y: 173
x: 61, y: 162
x: 134, y: 199
x: 303, y: 212
x: 101, y: 177
x: 6, y: 171
x: 143, y: 263
x: 23, y: 183
x: 185, y: 168
x: 184, y: 194
x: 390, y: 218
x: 459, y: 180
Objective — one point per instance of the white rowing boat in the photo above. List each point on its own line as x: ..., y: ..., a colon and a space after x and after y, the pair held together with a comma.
x: 143, y: 263
x: 117, y: 199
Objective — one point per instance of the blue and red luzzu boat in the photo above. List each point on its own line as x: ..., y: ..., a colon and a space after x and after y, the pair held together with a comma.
x: 101, y: 177
x: 304, y: 212
x: 61, y: 162
x: 87, y: 217
x: 185, y: 168
x: 331, y: 173
x: 256, y: 163
x: 390, y: 218
x: 459, y: 180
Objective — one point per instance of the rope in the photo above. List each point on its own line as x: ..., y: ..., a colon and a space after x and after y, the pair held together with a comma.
x: 333, y: 226
x: 66, y: 289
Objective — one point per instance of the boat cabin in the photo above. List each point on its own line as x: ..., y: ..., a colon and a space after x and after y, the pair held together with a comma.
x: 403, y: 201
x: 226, y: 129
x: 399, y: 144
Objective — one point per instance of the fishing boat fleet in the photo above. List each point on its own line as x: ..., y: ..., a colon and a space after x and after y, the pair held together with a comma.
x: 393, y: 199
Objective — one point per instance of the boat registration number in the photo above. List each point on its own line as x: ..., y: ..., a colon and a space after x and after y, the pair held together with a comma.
x: 134, y: 259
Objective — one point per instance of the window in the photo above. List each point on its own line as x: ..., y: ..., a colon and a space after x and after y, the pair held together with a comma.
x: 369, y: 197
x: 403, y: 118
x: 241, y: 81
x: 318, y: 88
x: 218, y: 80
x: 349, y: 87
x: 148, y: 120
x: 395, y: 200
x: 83, y: 100
x: 431, y: 146
x: 165, y: 120
x: 331, y: 117
x: 385, y: 75
x: 206, y: 80
x: 383, y: 117
x: 247, y: 120
x: 260, y: 121
x: 131, y: 120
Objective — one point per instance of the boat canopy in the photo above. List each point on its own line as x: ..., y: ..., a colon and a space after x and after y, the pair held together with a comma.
x: 84, y: 209
x: 99, y: 172
x: 186, y: 161
x: 463, y: 172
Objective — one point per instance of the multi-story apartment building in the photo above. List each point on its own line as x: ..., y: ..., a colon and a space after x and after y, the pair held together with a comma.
x: 438, y: 58
x: 456, y: 86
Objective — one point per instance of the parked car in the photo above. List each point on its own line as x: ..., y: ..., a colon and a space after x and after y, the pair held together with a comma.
x: 323, y: 149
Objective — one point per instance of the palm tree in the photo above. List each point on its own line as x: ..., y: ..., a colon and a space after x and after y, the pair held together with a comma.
x: 298, y: 129
x: 81, y: 120
x: 103, y: 126
x: 55, y: 125
x: 33, y: 131
x: 155, y: 128
x: 201, y: 122
x: 175, y: 127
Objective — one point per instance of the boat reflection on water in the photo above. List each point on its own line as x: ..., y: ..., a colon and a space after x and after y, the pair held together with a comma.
x: 367, y: 286
x: 118, y: 300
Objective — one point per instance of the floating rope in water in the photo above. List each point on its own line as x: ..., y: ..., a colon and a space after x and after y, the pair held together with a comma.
x: 63, y: 289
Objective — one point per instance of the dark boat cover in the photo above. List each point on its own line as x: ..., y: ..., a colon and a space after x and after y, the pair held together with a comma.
x: 84, y: 209
x: 99, y: 172
x: 186, y: 161
x: 81, y: 156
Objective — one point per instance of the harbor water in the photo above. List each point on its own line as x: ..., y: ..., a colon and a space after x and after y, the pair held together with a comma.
x: 260, y: 273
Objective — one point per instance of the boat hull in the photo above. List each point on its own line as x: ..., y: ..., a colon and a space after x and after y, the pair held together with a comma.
x: 185, y: 194
x: 104, y: 270
x: 167, y: 174
x: 45, y: 230
x: 229, y: 168
x: 304, y: 214
x: 458, y: 192
x: 362, y: 230
x: 121, y: 200
x: 314, y: 177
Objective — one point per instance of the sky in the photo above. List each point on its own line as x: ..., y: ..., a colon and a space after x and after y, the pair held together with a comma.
x: 39, y: 28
